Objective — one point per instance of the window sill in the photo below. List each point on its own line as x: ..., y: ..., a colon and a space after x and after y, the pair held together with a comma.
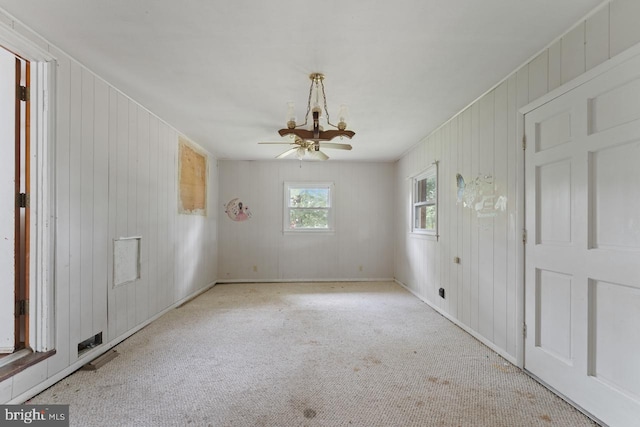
x: 308, y: 232
x: 425, y: 236
x: 19, y: 365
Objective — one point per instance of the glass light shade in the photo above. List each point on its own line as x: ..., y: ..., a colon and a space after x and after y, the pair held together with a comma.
x: 343, y: 113
x: 300, y: 153
x: 291, y: 112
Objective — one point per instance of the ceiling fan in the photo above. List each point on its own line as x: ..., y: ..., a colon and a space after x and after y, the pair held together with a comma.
x: 302, y: 147
x: 311, y: 140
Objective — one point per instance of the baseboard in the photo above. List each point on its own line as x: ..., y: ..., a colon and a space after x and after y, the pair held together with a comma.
x: 100, y: 350
x: 462, y: 326
x: 359, y: 279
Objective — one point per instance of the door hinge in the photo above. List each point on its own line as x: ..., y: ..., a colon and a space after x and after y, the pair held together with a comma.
x: 524, y: 236
x: 22, y: 307
x: 23, y: 93
x: 524, y: 330
x: 23, y: 200
x: 524, y: 142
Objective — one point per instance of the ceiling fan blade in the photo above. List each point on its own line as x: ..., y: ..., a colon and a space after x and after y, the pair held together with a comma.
x: 336, y: 145
x: 319, y: 155
x: 285, y: 143
x: 286, y: 153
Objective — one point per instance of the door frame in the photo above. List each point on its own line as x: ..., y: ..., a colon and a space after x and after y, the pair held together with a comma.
x: 42, y: 192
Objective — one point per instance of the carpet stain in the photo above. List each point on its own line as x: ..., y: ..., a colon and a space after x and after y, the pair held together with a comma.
x: 527, y: 394
x: 309, y: 413
x: 505, y: 367
x: 437, y: 380
x: 372, y: 359
x: 420, y: 403
x: 356, y: 369
x: 545, y: 417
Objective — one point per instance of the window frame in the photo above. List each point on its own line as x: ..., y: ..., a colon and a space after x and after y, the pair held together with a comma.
x: 286, y: 221
x: 430, y: 172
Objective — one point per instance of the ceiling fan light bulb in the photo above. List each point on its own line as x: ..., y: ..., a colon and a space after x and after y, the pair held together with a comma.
x: 300, y: 153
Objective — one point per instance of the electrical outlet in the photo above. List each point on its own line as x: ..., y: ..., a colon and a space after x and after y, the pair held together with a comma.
x: 456, y: 259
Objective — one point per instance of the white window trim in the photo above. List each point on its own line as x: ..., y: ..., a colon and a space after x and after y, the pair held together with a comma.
x: 286, y: 215
x: 428, y: 172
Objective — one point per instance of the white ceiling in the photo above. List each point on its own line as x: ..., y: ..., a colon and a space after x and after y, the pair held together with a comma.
x: 221, y: 72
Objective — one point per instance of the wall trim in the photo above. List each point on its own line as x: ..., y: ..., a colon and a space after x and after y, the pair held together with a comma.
x: 98, y: 351
x: 364, y: 279
x: 464, y: 327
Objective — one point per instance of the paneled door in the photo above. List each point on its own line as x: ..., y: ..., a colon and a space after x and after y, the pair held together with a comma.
x: 583, y: 249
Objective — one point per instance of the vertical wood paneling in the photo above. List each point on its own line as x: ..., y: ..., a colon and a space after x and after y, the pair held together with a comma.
x: 142, y: 220
x: 153, y: 238
x: 454, y: 223
x: 122, y: 211
x: 101, y: 207
x: 75, y: 249
x: 573, y: 53
x: 538, y: 76
x: 597, y: 38
x: 86, y: 206
x: 623, y: 25
x: 171, y: 148
x: 500, y: 176
x: 467, y: 235
x: 485, y: 229
x: 555, y: 65
x: 132, y: 203
x: 514, y: 149
x: 474, y: 275
x: 113, y: 212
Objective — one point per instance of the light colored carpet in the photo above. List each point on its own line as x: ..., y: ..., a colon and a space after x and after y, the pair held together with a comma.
x: 307, y: 354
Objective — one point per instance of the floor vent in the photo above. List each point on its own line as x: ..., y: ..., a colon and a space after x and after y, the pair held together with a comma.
x: 89, y: 343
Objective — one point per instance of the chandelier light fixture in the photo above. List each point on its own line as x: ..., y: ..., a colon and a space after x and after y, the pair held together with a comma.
x: 319, y: 98
x: 310, y: 141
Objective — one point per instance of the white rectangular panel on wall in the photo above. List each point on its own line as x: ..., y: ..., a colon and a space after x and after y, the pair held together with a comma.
x: 126, y: 260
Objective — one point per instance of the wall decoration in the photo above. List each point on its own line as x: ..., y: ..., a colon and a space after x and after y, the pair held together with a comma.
x: 237, y: 210
x: 480, y: 195
x: 192, y: 170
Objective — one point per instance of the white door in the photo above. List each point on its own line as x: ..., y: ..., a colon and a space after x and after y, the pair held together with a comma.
x: 583, y: 249
x: 7, y: 195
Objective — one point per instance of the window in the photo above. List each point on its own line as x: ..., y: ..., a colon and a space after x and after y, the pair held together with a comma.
x: 425, y: 202
x: 308, y: 206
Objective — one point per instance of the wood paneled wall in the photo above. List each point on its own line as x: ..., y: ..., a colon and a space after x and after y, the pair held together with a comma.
x: 482, y: 292
x: 361, y: 247
x: 115, y: 176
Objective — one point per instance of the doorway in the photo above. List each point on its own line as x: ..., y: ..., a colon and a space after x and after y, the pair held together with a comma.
x: 15, y: 186
x: 582, y: 297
